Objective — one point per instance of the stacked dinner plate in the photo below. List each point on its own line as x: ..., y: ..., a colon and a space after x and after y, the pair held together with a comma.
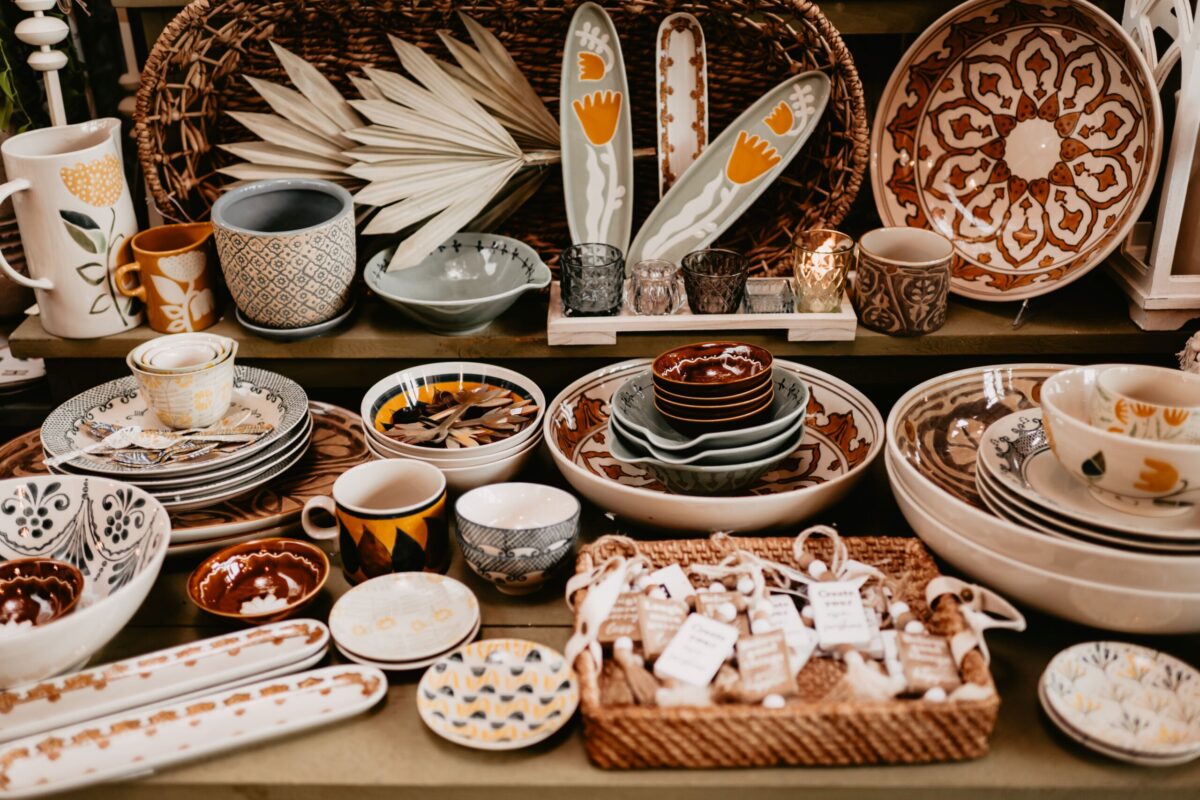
x: 708, y: 419
x: 404, y: 621
x: 259, y: 397
x: 18, y: 374
x: 1020, y: 479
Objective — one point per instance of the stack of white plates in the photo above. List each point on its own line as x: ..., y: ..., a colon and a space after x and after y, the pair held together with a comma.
x: 1127, y: 702
x: 1020, y: 479
x: 18, y: 374
x: 1140, y: 577
x: 258, y: 397
x: 404, y: 621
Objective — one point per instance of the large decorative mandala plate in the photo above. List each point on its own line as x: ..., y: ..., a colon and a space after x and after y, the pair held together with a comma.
x: 1027, y: 133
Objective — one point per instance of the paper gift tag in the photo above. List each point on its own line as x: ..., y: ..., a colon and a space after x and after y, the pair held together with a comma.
x: 658, y: 621
x: 764, y: 666
x: 801, y: 639
x: 622, y: 620
x: 674, y: 580
x: 891, y: 654
x: 927, y: 661
x: 839, y: 614
x: 697, y: 651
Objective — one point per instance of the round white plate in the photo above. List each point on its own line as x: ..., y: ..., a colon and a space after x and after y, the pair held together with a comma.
x: 259, y: 396
x: 472, y: 696
x: 295, y: 334
x: 404, y: 616
x: 404, y: 666
x: 202, y: 501
x: 1016, y: 453
x: 189, y: 546
x: 17, y: 372
x: 1007, y: 505
x: 1125, y: 698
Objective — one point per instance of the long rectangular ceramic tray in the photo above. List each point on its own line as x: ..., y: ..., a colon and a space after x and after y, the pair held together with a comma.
x: 174, y: 674
x: 138, y: 743
x: 839, y: 326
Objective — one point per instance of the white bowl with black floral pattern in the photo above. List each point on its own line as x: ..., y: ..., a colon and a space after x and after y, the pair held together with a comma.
x: 516, y: 534
x: 114, y: 533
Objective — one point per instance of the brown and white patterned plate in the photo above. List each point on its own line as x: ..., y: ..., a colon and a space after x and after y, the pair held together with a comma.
x: 337, y: 444
x: 843, y: 435
x: 1028, y: 133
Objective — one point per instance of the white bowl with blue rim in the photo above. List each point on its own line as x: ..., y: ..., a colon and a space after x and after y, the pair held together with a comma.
x: 516, y: 535
x: 461, y: 286
x: 115, y: 534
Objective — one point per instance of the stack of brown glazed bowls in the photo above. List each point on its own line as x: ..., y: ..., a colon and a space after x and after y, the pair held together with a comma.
x: 713, y: 386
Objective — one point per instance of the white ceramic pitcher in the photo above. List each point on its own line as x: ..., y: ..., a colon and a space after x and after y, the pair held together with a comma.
x: 75, y: 215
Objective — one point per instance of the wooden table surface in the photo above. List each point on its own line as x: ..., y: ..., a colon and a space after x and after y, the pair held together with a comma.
x: 388, y: 753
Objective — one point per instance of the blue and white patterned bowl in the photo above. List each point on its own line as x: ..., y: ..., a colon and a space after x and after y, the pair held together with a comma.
x: 516, y: 534
x: 112, y: 532
x: 463, y: 285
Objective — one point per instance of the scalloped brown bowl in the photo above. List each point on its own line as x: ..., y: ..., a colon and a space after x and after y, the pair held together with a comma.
x: 262, y: 581
x: 692, y: 426
x: 715, y: 412
x: 37, y: 590
x: 712, y: 369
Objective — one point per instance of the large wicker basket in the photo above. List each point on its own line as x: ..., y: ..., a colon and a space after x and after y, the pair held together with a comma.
x: 815, y: 732
x: 195, y: 73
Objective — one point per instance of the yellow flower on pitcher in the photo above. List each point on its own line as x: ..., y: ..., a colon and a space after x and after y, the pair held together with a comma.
x: 98, y: 183
x: 598, y: 114
x: 751, y: 157
x: 781, y: 119
x: 1159, y: 478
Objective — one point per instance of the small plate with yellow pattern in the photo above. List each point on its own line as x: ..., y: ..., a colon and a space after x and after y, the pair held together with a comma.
x: 404, y: 616
x: 498, y: 694
x: 1125, y: 701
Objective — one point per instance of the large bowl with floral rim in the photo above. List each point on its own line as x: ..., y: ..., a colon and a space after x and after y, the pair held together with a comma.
x: 934, y: 432
x: 843, y: 436
x: 113, y: 533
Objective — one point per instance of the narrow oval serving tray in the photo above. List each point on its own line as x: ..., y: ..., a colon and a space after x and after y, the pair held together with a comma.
x: 682, y: 85
x: 733, y: 171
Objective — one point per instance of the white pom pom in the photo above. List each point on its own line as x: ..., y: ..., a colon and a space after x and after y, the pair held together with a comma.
x: 623, y: 643
x: 726, y: 612
x: 914, y: 626
x: 774, y: 701
x: 716, y: 587
x: 936, y: 695
x: 745, y: 584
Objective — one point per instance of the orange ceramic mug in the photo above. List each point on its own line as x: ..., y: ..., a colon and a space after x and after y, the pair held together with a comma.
x: 176, y: 277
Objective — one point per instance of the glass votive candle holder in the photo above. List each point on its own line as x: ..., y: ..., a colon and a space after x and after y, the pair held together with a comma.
x: 770, y: 296
x: 715, y: 281
x: 654, y: 287
x: 593, y: 280
x: 822, y: 259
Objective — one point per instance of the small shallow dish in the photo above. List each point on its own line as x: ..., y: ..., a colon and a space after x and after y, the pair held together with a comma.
x: 717, y: 456
x: 698, y: 426
x: 400, y: 392
x: 260, y: 581
x: 498, y: 694
x: 1140, y: 476
x: 516, y: 534
x: 704, y: 479
x: 34, y: 591
x: 115, y: 534
x: 711, y: 369
x: 717, y: 411
x: 462, y: 285
x: 295, y: 334
x: 633, y: 406
x: 719, y: 400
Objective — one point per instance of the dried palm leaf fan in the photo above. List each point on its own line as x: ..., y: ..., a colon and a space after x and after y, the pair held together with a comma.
x: 440, y: 151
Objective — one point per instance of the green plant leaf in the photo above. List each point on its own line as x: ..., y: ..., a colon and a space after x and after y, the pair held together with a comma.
x: 79, y: 220
x: 101, y: 304
x: 93, y: 272
x: 84, y: 230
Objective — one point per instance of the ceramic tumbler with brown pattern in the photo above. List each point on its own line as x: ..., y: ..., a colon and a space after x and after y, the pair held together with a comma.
x: 903, y: 280
x: 177, y: 277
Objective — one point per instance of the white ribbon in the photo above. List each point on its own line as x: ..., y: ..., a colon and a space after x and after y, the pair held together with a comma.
x: 982, y: 609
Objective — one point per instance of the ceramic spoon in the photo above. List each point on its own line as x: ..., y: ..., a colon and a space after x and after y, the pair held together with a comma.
x: 733, y: 171
x: 597, y: 138
x: 682, y: 83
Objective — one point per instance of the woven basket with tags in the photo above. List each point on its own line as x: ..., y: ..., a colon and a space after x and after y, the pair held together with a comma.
x: 812, y: 730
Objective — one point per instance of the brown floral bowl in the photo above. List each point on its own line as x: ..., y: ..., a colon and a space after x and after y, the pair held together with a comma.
x: 712, y: 369
x: 260, y: 581
x: 716, y: 411
x: 37, y: 590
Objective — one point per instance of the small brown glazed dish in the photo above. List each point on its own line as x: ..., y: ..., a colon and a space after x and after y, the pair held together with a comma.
x: 37, y: 590
x: 712, y: 369
x: 740, y: 397
x: 692, y: 426
x: 717, y: 412
x: 261, y: 581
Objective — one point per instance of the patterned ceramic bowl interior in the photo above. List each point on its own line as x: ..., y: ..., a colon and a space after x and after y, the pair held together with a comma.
x: 398, y: 398
x: 260, y: 581
x: 37, y: 590
x: 711, y: 368
x: 471, y: 268
x: 498, y: 694
x: 109, y: 531
x: 841, y: 434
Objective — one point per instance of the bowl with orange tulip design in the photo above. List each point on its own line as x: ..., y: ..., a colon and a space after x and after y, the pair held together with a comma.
x: 1155, y: 477
x: 1147, y: 403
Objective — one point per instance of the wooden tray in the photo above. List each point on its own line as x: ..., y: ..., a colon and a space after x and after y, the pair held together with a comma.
x: 839, y: 326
